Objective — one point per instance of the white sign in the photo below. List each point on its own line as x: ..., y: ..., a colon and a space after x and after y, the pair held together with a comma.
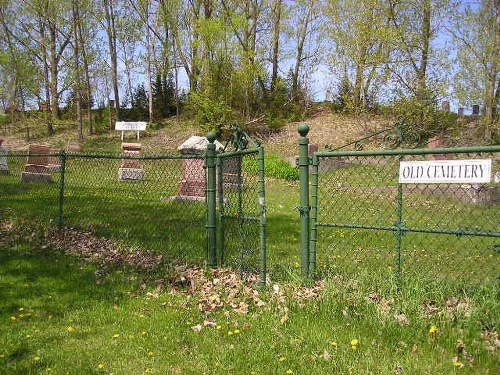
x: 445, y: 171
x: 135, y: 126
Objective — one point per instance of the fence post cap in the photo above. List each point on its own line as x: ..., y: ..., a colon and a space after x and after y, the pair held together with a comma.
x: 211, y: 136
x: 303, y: 129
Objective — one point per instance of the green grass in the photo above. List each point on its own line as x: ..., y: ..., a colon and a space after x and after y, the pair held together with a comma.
x: 447, y: 281
x: 56, y: 318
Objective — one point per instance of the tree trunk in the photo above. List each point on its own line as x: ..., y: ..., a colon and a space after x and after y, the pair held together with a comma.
x: 426, y: 37
x: 77, y: 87
x: 88, y: 87
x: 148, y: 65
x: 47, y: 86
x: 54, y: 71
x: 111, y: 31
x: 492, y: 97
x: 277, y: 8
x: 300, y: 50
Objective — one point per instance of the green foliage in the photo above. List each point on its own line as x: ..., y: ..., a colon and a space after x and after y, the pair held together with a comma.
x: 211, y: 114
x: 344, y: 99
x: 425, y: 118
x: 274, y: 167
x: 164, y: 97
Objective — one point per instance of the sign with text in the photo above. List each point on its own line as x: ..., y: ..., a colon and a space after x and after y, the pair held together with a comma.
x: 445, y: 171
x: 134, y: 126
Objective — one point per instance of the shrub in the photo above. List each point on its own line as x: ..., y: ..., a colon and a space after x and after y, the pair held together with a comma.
x: 274, y: 167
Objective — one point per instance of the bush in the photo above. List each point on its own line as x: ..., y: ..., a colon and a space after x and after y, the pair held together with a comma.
x: 274, y: 167
x: 211, y: 114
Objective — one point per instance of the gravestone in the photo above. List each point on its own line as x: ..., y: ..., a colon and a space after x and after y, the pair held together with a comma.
x: 475, y: 109
x: 460, y: 111
x: 131, y: 168
x: 73, y: 146
x: 54, y: 161
x: 328, y: 96
x: 445, y: 106
x: 192, y: 184
x: 37, y: 165
x: 437, y: 142
x: 4, y: 167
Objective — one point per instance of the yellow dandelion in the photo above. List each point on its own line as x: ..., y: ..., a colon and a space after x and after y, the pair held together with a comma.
x: 100, y: 366
x: 218, y: 328
x: 143, y: 333
x: 354, y: 342
x: 150, y: 354
x: 21, y: 309
x: 116, y: 335
x: 289, y: 372
x: 433, y: 330
x: 147, y: 371
x: 458, y: 364
x: 2, y: 356
x: 333, y: 343
x: 37, y: 359
x: 282, y: 359
x: 236, y: 331
x: 28, y: 336
x: 13, y: 318
x: 230, y: 333
x: 71, y: 329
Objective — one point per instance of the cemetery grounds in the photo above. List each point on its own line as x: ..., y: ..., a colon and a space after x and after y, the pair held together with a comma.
x: 106, y: 298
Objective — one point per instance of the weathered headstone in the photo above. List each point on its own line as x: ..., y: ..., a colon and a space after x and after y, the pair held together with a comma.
x: 73, y: 146
x: 192, y: 185
x: 37, y: 165
x: 445, y: 106
x: 461, y: 111
x: 54, y: 161
x: 475, y: 109
x: 328, y: 96
x: 131, y: 168
x: 437, y: 142
x: 4, y: 167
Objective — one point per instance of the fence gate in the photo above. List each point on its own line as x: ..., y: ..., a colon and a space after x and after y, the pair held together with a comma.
x: 242, y: 210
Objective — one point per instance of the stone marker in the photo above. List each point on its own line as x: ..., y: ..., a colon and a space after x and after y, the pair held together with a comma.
x: 73, y: 146
x: 131, y: 168
x: 192, y: 184
x: 54, y: 161
x: 4, y: 167
x: 461, y: 111
x: 437, y: 142
x: 37, y: 165
x: 475, y: 109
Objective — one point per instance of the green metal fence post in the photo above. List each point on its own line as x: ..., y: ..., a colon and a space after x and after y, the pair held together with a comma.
x: 62, y: 156
x: 222, y: 236
x: 211, y: 201
x: 400, y: 226
x: 314, y: 215
x: 303, y: 129
x: 262, y: 206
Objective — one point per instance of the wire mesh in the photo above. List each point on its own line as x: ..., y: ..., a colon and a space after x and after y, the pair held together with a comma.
x: 448, y: 230
x: 156, y: 203
x: 23, y: 191
x: 239, y: 211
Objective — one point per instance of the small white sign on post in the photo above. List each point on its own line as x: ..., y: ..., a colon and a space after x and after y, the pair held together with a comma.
x: 445, y: 171
x: 130, y: 126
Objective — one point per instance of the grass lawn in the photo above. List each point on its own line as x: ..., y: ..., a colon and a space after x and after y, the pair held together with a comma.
x: 79, y: 313
x: 57, y: 316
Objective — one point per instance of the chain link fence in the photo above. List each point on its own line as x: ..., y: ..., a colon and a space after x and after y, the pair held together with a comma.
x: 155, y: 202
x: 241, y: 204
x: 365, y: 223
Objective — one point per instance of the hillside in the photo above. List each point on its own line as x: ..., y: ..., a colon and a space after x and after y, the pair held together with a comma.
x: 327, y: 130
